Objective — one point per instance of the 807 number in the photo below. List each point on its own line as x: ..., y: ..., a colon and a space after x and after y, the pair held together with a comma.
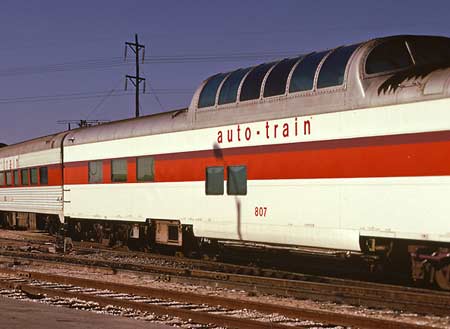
x: 260, y: 211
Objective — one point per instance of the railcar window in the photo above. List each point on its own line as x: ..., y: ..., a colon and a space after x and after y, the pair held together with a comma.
x: 214, y: 181
x: 303, y: 75
x: 277, y: 79
x: 145, y: 171
x: 208, y: 95
x: 43, y: 175
x: 33, y: 176
x: 24, y: 175
x: 237, y: 180
x: 430, y: 50
x: 388, y: 56
x: 229, y: 90
x: 2, y: 178
x: 16, y: 177
x: 8, y: 178
x: 119, y: 170
x: 95, y: 171
x: 333, y: 69
x: 251, y: 88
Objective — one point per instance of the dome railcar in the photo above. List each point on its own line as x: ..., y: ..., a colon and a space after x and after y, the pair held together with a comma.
x: 346, y: 149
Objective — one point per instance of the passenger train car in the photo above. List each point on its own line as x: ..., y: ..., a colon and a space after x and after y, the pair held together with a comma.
x: 344, y: 150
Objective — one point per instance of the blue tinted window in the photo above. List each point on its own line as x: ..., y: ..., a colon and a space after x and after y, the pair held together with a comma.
x: 276, y: 81
x: 228, y: 92
x: 303, y: 76
x: 208, y: 94
x: 251, y: 87
x: 333, y: 69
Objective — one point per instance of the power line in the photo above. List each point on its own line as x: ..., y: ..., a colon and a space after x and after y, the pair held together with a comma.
x: 155, y: 96
x: 116, y: 62
x: 231, y: 57
x: 81, y: 96
x: 104, y: 99
x: 74, y: 66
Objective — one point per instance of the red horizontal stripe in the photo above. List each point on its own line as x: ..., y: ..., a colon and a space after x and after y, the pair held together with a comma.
x: 420, y: 154
x: 426, y: 159
x: 417, y: 155
x: 54, y: 177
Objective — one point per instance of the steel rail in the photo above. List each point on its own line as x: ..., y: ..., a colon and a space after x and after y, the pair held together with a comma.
x: 321, y: 316
x: 185, y: 314
x: 369, y: 294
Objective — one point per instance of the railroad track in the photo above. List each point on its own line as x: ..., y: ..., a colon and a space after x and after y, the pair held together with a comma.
x: 219, y: 311
x: 323, y: 289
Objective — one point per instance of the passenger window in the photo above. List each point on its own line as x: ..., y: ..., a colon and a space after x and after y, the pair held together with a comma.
x: 237, y: 180
x: 214, y: 181
x: 16, y: 177
x: 33, y: 176
x: 333, y: 69
x: 145, y: 169
x: 303, y: 76
x: 119, y: 170
x: 251, y: 88
x: 8, y: 178
x: 277, y: 79
x: 229, y: 90
x: 208, y: 94
x: 2, y: 178
x: 43, y: 174
x: 95, y: 171
x: 24, y: 174
x: 388, y: 56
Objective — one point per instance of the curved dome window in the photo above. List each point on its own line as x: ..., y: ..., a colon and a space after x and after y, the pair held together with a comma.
x: 251, y: 88
x: 208, y: 95
x: 430, y: 50
x: 333, y: 69
x: 229, y: 90
x: 277, y: 79
x: 388, y: 56
x: 303, y: 75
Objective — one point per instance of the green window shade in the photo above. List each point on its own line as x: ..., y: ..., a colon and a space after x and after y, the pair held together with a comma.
x: 119, y: 170
x: 95, y: 171
x: 237, y: 180
x: 145, y: 169
x: 33, y: 176
x: 214, y: 181
x: 43, y: 173
x: 24, y: 174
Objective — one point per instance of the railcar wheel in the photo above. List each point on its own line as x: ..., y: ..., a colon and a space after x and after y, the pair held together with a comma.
x: 442, y: 277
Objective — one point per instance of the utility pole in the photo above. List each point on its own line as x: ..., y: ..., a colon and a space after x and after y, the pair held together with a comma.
x: 136, y: 79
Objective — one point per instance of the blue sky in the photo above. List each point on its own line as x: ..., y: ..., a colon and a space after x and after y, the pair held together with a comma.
x: 53, y: 48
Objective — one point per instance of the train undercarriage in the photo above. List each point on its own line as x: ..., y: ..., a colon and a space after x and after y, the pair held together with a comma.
x: 427, y: 264
x: 29, y: 221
